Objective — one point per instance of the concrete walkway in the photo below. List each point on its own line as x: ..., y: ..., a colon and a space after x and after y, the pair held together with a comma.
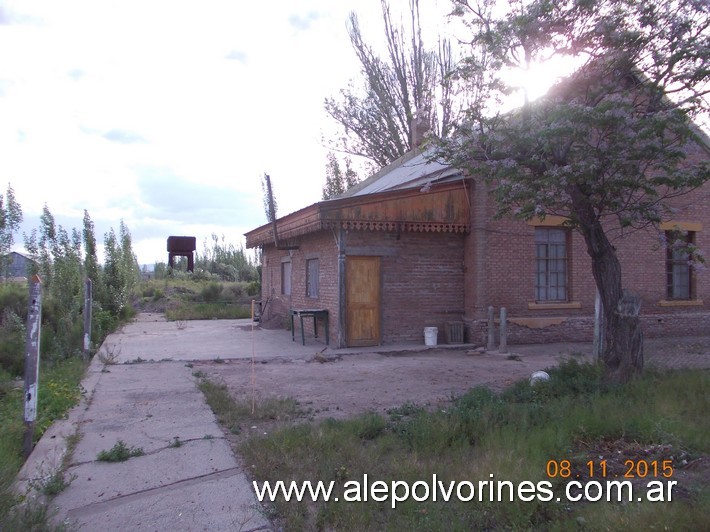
x: 148, y: 399
x: 188, y: 478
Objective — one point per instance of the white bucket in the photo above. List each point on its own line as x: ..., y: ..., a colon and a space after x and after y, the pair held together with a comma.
x: 430, y: 334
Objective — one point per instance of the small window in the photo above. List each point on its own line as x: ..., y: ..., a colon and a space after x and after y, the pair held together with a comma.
x: 679, y: 273
x: 312, y: 273
x: 286, y: 278
x: 551, y: 264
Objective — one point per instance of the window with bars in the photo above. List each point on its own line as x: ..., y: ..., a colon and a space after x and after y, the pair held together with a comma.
x: 551, y: 264
x: 679, y: 273
x: 312, y: 273
x: 286, y: 278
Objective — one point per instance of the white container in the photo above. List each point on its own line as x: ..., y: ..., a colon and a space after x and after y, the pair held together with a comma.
x: 430, y: 334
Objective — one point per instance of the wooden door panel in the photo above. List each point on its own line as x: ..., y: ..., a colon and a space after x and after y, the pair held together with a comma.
x: 362, y: 300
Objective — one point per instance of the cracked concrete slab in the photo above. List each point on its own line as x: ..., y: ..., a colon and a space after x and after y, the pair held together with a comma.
x: 188, y: 477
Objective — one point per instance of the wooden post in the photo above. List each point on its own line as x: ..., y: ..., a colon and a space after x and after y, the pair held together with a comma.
x: 34, y: 324
x: 598, y: 343
x: 503, y: 347
x: 342, y: 340
x: 491, y: 330
x: 88, y: 298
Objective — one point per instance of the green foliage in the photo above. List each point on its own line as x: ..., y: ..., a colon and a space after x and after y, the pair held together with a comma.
x: 59, y: 391
x: 119, y: 453
x: 10, y: 219
x: 608, y: 147
x: 12, y: 342
x: 211, y: 292
x: 227, y: 262
x: 511, y: 435
x: 401, y: 93
x: 253, y: 288
x: 232, y: 413
x: 207, y: 311
x: 338, y: 181
x: 120, y: 271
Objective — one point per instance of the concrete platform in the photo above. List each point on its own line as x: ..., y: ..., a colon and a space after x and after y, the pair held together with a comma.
x: 147, y: 398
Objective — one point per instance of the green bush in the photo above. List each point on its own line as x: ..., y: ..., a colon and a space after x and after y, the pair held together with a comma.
x: 13, y: 296
x: 104, y: 323
x: 211, y: 292
x: 12, y: 342
x: 253, y: 288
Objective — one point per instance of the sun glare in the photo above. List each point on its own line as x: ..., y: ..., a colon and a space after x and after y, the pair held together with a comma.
x: 537, y: 80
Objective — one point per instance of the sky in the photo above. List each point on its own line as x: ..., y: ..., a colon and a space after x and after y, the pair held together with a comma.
x: 166, y: 114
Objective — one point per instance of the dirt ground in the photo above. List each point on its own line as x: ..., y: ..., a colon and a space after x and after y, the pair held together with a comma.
x: 340, y: 386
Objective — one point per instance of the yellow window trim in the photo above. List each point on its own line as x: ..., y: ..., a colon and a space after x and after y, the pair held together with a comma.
x: 680, y: 303
x: 676, y: 225
x: 549, y: 221
x: 554, y: 306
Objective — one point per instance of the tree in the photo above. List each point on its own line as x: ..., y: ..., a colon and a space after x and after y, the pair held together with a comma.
x: 121, y: 271
x: 91, y: 263
x: 269, y: 199
x: 608, y: 147
x: 338, y: 181
x: 402, y: 95
x: 10, y: 219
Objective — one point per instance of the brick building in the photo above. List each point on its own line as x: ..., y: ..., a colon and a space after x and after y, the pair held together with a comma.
x: 417, y: 245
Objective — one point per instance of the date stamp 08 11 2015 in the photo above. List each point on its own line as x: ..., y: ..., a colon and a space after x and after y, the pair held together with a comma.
x: 633, y: 469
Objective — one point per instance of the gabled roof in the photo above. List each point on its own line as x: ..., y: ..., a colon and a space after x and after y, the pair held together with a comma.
x: 411, y: 170
x: 411, y: 194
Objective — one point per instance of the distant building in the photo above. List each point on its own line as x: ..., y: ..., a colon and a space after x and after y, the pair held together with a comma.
x: 19, y: 265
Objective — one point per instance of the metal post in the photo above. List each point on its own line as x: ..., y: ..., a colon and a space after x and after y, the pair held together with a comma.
x: 491, y: 330
x: 34, y: 323
x: 503, y: 348
x: 88, y: 297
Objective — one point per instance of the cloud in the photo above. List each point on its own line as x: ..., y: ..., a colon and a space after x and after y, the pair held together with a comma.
x: 237, y: 55
x: 76, y: 74
x: 5, y: 17
x: 303, y: 22
x: 8, y: 18
x: 4, y: 85
x: 162, y: 194
x: 123, y: 137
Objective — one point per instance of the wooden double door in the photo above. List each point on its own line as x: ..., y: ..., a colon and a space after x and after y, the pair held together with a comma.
x: 363, y: 288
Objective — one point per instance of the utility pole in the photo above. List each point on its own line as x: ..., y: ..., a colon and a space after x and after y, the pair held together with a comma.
x: 34, y: 324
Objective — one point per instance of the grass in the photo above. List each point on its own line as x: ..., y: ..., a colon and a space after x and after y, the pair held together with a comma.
x: 207, y: 311
x: 185, y: 299
x: 59, y: 391
x: 120, y: 452
x: 512, y: 435
x: 232, y: 414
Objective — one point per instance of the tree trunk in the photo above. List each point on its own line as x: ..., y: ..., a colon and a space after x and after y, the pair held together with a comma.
x: 622, y: 352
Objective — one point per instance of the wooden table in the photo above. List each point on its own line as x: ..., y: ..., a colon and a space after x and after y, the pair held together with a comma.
x: 310, y: 313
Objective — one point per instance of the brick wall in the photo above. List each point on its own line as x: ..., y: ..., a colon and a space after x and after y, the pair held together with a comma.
x: 422, y: 279
x: 509, y: 280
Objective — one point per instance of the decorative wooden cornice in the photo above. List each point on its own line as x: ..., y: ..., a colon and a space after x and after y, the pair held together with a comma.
x: 441, y: 209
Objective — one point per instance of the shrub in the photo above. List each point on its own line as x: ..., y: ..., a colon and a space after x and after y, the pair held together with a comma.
x: 211, y: 292
x: 12, y: 342
x: 253, y: 288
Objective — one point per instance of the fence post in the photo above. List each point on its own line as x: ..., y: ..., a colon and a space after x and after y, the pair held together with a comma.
x: 503, y: 348
x: 88, y: 298
x: 491, y: 331
x: 598, y: 343
x: 34, y: 324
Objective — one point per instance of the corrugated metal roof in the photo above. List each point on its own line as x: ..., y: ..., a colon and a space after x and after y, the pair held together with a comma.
x: 407, y: 172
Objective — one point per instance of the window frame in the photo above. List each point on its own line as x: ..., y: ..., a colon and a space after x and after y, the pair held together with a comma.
x: 286, y: 277
x: 678, y: 266
x: 312, y: 277
x: 554, y: 287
